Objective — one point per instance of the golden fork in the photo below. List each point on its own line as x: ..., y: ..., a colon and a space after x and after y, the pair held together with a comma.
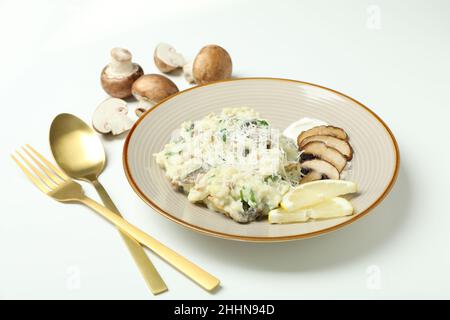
x: 55, y: 183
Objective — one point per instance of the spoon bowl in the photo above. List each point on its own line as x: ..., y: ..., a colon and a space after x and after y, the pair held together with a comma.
x: 76, y: 147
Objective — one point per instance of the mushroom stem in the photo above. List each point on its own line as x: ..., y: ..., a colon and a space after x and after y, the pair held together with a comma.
x: 188, y: 73
x: 139, y: 112
x: 145, y: 104
x: 121, y: 62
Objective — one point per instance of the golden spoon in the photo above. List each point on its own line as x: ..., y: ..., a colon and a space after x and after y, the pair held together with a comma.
x: 79, y: 152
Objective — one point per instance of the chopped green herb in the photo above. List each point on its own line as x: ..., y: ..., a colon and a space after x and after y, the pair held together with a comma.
x: 252, y: 197
x: 191, y: 127
x: 248, y: 198
x: 256, y: 122
x: 262, y: 123
x: 273, y: 178
x: 223, y: 133
x: 171, y: 153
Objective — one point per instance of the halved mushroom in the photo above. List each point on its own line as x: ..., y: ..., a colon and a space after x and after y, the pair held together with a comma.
x: 323, y: 131
x: 118, y: 76
x: 318, y: 169
x: 167, y: 58
x: 111, y: 117
x: 340, y: 145
x: 320, y: 150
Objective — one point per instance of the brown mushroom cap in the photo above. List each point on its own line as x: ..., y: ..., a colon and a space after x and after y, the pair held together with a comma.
x: 153, y: 88
x: 212, y: 63
x: 319, y: 169
x: 340, y: 145
x: 118, y: 76
x: 323, y: 131
x: 120, y: 87
x: 320, y: 150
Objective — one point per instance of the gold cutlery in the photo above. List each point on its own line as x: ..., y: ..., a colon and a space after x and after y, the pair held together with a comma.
x: 55, y: 183
x: 79, y: 152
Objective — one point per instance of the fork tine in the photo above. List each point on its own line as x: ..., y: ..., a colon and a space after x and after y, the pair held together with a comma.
x: 54, y: 179
x: 58, y: 171
x: 32, y: 177
x: 37, y: 172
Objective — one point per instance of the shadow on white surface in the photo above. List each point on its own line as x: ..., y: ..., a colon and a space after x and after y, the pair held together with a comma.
x: 343, y: 246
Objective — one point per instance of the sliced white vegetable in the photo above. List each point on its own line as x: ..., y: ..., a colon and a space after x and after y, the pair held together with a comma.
x: 331, y: 208
x: 311, y: 193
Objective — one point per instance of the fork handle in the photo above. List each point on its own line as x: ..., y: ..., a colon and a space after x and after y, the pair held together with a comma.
x: 149, y: 273
x: 191, y: 270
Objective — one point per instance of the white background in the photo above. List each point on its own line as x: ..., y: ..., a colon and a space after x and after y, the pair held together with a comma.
x: 393, y: 56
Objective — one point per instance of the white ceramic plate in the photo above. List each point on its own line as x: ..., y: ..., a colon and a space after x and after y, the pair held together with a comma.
x: 281, y: 101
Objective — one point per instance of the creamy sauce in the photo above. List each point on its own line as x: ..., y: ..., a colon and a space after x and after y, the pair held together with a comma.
x: 236, y: 188
x: 242, y: 195
x: 303, y: 124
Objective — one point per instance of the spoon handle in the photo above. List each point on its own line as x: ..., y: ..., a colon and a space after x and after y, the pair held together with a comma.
x: 151, y: 276
x: 191, y: 270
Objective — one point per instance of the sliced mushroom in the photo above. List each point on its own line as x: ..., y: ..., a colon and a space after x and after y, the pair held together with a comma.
x: 312, y: 176
x: 320, y: 150
x: 317, y: 169
x: 340, y: 145
x: 152, y: 88
x: 118, y: 76
x: 167, y: 58
x: 111, y: 117
x: 323, y: 131
x: 212, y: 63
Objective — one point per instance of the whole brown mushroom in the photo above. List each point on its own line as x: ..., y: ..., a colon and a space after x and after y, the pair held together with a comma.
x: 119, y: 75
x: 212, y: 63
x: 150, y: 89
